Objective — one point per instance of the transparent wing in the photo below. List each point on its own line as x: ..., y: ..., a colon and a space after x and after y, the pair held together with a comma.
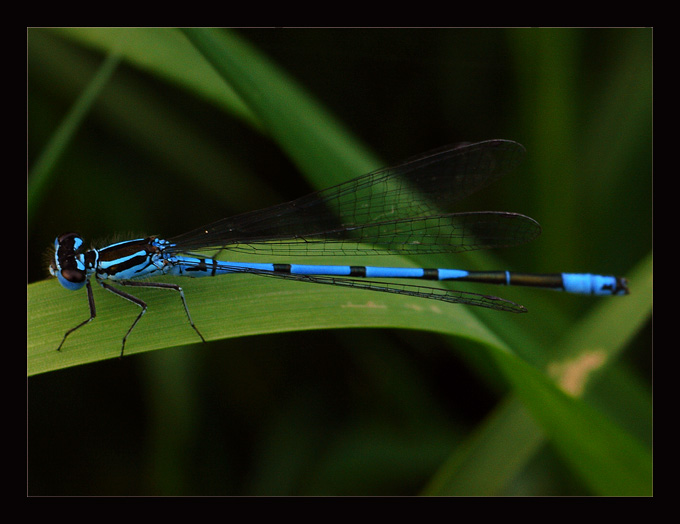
x: 404, y: 208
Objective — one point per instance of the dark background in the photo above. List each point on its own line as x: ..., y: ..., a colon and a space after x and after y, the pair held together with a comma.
x: 339, y: 412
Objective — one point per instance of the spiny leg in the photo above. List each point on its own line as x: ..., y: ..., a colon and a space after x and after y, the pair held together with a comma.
x: 93, y: 313
x: 142, y: 304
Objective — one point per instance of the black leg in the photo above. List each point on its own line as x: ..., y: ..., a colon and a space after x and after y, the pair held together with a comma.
x: 142, y: 304
x: 93, y: 313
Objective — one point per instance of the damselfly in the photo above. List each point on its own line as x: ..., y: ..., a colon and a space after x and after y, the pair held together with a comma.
x: 403, y: 209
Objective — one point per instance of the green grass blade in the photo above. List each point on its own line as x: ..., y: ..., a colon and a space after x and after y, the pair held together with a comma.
x: 219, y: 66
x: 318, y: 144
x: 609, y: 460
x: 40, y: 175
x: 624, y: 319
x: 214, y: 302
x: 491, y: 456
x: 166, y: 54
x: 224, y: 307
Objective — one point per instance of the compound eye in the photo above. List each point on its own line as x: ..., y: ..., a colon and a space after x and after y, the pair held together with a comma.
x: 68, y: 242
x: 71, y: 278
x: 68, y: 264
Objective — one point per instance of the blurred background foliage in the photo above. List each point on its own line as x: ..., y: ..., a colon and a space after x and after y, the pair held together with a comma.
x: 349, y: 411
